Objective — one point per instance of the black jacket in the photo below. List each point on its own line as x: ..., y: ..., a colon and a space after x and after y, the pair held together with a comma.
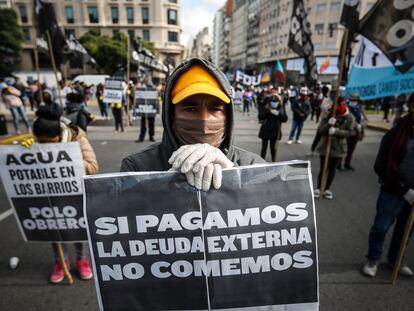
x: 271, y: 125
x: 155, y: 157
x: 301, y: 109
x: 390, y: 182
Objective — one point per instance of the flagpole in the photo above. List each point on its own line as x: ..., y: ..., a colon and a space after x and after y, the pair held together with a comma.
x: 52, y: 57
x: 36, y: 56
x: 127, y: 78
x: 328, y: 140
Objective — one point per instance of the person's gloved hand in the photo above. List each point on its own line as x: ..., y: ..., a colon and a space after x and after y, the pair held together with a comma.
x: 27, y: 143
x: 275, y: 112
x: 409, y: 196
x: 331, y: 121
x: 332, y: 131
x: 201, y: 163
x: 359, y: 128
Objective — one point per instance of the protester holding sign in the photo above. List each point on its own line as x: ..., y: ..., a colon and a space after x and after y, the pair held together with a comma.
x: 339, y: 129
x: 395, y: 168
x: 50, y: 128
x: 197, y: 118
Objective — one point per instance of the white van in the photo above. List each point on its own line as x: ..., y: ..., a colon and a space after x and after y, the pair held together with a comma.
x: 91, y: 79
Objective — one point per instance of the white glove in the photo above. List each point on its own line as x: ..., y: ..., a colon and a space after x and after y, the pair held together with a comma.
x: 359, y: 128
x: 201, y: 163
x: 332, y: 131
x: 331, y: 121
x: 275, y: 112
x: 409, y: 196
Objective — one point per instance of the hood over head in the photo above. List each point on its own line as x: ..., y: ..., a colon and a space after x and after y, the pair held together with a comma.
x: 169, y: 140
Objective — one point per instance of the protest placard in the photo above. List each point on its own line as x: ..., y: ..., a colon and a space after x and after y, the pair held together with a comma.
x: 158, y: 244
x: 44, y: 186
x: 113, y: 91
x: 146, y: 101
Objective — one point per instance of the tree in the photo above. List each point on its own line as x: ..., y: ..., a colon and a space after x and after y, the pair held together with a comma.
x: 109, y: 53
x: 11, y: 40
x: 150, y: 46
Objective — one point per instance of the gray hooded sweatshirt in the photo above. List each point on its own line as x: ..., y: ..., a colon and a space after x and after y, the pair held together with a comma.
x: 155, y: 157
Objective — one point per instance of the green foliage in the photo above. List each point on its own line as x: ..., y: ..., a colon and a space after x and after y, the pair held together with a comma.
x: 11, y: 40
x: 150, y: 46
x: 109, y: 53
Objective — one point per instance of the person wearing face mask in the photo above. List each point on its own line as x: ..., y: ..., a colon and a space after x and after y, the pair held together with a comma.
x: 338, y: 128
x: 301, y: 109
x: 273, y: 115
x: 197, y: 117
x: 394, y: 166
x: 50, y: 127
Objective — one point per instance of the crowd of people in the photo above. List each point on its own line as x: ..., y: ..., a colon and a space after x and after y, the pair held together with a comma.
x: 197, y: 116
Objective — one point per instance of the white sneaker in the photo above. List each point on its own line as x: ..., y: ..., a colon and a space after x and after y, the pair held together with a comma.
x: 370, y: 268
x: 298, y: 141
x: 328, y: 194
x: 404, y: 270
x: 316, y: 193
x: 289, y: 142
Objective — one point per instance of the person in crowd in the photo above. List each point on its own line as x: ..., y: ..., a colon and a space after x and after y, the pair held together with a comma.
x: 394, y: 166
x: 261, y: 106
x: 325, y: 106
x: 247, y: 100
x: 197, y: 117
x: 339, y: 128
x: 301, y: 109
x: 50, y: 127
x: 49, y: 102
x: 65, y: 89
x: 356, y: 108
x: 103, y: 108
x: 238, y: 100
x: 273, y: 114
x: 11, y: 98
x: 386, y: 106
x: 117, y: 112
x: 399, y: 108
x: 76, y: 109
x: 315, y: 101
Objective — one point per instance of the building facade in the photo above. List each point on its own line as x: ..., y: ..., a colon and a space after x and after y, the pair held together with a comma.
x: 201, y: 45
x: 265, y: 27
x: 157, y: 21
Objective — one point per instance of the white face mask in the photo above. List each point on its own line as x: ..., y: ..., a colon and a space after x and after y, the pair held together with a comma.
x: 353, y: 104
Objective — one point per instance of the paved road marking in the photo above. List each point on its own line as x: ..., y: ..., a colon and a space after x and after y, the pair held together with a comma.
x: 6, y: 214
x: 104, y: 143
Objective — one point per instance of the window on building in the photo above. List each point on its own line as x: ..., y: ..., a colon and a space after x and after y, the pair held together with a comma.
x: 145, y: 15
x: 131, y: 34
x: 332, y: 27
x: 69, y: 32
x: 115, y: 15
x: 173, y: 36
x: 130, y: 15
x: 319, y: 29
x: 23, y: 14
x: 172, y: 1
x: 335, y: 6
x: 321, y: 7
x: 93, y: 14
x: 27, y: 36
x: 69, y: 15
x: 172, y: 17
x: 146, y: 35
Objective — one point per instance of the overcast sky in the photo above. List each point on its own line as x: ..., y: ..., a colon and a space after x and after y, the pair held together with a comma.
x: 197, y: 14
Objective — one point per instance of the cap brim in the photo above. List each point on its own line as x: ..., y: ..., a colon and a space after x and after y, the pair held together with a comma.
x: 200, y: 88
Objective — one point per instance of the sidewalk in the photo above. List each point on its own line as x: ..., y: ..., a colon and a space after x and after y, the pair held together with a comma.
x: 376, y: 123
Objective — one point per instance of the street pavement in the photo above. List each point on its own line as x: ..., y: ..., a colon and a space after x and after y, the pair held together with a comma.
x: 343, y: 226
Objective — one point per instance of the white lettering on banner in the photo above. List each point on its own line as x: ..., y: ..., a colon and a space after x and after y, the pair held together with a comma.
x: 198, y: 268
x: 38, y: 158
x: 272, y: 214
x: 215, y: 244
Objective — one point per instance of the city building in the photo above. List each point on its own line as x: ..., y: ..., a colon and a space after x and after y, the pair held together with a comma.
x: 238, y: 35
x: 201, y: 45
x: 157, y: 21
x: 221, y: 36
x: 217, y: 36
x: 253, y: 22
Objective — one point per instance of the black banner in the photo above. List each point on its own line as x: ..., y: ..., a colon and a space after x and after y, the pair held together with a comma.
x: 146, y: 101
x: 158, y: 244
x: 390, y: 26
x: 350, y: 14
x: 300, y: 41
